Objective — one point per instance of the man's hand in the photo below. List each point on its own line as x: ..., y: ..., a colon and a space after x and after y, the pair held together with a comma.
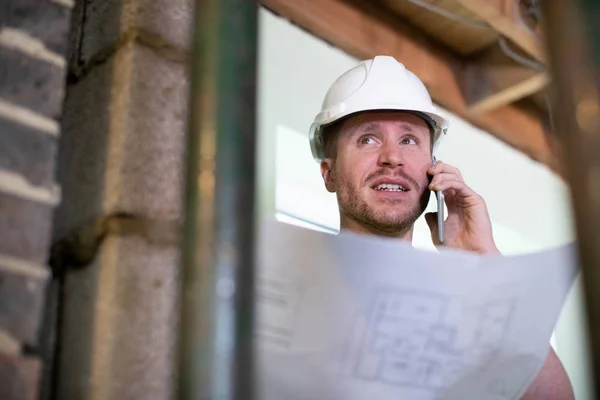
x: 468, y: 227
x: 467, y: 224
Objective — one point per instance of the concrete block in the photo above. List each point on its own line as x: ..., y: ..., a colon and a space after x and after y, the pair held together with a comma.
x: 19, y: 377
x: 82, y: 147
x: 28, y: 152
x: 21, y: 301
x: 148, y: 177
x: 48, y: 21
x: 123, y: 140
x: 25, y: 228
x: 106, y: 21
x: 120, y: 323
x: 31, y: 83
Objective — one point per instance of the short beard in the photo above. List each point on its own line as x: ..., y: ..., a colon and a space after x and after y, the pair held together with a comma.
x: 353, y: 207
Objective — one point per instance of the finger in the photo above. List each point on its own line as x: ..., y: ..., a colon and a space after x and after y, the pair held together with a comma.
x: 444, y: 176
x: 431, y: 219
x: 442, y: 167
x: 459, y: 186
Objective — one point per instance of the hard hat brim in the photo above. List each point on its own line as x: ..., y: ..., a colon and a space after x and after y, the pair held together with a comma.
x: 437, y: 124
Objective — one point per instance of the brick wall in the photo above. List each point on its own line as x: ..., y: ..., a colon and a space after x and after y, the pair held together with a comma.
x: 33, y: 46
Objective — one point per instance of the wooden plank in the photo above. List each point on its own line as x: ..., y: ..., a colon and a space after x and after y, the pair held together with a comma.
x: 462, y: 38
x: 366, y: 33
x: 493, y: 80
x: 573, y: 38
x: 492, y: 87
x: 501, y: 14
x: 496, y: 85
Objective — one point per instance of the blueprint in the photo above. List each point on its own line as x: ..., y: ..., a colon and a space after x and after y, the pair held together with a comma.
x: 354, y: 317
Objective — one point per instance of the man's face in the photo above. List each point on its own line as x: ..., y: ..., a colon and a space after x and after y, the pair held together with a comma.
x: 379, y: 171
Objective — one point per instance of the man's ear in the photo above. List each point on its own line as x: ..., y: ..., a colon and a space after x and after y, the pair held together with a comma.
x: 328, y: 175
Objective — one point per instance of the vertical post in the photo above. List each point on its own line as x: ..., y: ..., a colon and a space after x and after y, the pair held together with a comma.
x: 216, y: 351
x: 573, y: 40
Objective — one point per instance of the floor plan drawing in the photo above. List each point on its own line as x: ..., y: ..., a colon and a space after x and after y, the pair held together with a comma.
x: 411, y: 341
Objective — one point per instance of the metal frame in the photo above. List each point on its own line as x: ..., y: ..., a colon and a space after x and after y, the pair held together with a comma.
x: 216, y: 339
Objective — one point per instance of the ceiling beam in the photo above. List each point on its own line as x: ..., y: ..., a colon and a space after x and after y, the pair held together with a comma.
x: 493, y: 80
x: 365, y: 34
x: 502, y: 15
x: 497, y: 84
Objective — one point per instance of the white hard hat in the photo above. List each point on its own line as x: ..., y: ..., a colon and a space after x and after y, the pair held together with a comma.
x: 381, y: 83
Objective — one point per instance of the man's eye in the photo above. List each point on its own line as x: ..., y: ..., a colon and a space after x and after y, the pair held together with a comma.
x: 367, y: 140
x: 408, y: 141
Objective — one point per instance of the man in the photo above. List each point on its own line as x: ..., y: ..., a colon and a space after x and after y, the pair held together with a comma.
x: 374, y: 139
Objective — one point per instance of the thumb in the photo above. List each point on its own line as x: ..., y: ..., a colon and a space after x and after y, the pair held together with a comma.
x: 431, y: 219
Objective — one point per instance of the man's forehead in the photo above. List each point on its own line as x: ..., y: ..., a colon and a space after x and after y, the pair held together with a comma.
x: 372, y: 121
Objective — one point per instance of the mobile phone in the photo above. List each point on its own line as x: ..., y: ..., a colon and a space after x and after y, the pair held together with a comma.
x: 440, y: 209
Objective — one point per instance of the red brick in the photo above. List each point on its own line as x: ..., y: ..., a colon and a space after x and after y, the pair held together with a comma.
x: 31, y: 83
x: 21, y: 302
x: 46, y: 20
x: 25, y: 228
x: 28, y: 152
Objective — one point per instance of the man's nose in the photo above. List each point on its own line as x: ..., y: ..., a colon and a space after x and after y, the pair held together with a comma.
x: 391, y: 155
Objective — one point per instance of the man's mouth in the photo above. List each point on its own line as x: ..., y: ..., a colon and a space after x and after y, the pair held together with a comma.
x: 390, y: 187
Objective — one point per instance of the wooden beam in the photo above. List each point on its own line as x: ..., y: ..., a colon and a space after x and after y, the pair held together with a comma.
x: 502, y: 16
x: 366, y: 33
x: 498, y: 84
x: 493, y: 80
x: 573, y: 33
